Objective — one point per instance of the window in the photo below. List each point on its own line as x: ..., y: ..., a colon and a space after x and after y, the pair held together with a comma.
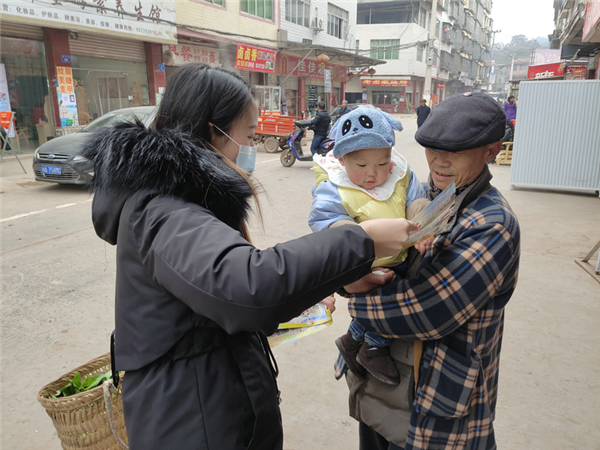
x: 337, y: 21
x: 298, y: 12
x: 259, y: 8
x: 385, y: 49
x: 420, y: 53
x: 214, y: 2
x: 357, y: 48
x: 385, y: 98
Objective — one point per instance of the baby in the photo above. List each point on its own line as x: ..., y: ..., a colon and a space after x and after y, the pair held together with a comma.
x: 364, y: 178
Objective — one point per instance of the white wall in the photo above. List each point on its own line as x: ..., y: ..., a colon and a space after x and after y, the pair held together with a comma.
x: 407, y: 64
x: 318, y: 9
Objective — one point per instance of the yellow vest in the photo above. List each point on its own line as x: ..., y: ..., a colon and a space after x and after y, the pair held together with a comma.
x: 361, y: 206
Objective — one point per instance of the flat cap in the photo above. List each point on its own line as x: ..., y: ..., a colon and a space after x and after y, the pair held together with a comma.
x: 463, y: 122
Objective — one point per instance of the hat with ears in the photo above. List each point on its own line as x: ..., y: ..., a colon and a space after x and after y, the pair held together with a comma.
x: 364, y: 128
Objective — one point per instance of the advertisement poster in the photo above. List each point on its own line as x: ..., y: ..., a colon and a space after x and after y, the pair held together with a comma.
x: 67, y: 104
x: 546, y: 71
x: 183, y: 53
x: 5, y: 99
x: 576, y: 73
x: 255, y: 59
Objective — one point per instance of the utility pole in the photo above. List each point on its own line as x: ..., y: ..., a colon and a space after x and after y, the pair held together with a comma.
x: 512, y: 64
x: 492, y: 58
x: 430, y: 49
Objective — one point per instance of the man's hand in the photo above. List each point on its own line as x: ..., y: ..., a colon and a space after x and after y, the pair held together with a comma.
x: 376, y: 279
x: 424, y: 245
x: 389, y: 235
x: 330, y: 302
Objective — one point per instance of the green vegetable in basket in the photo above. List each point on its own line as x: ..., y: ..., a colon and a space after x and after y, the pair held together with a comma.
x: 76, y: 386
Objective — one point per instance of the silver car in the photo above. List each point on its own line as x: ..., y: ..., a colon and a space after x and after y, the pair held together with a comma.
x: 56, y: 161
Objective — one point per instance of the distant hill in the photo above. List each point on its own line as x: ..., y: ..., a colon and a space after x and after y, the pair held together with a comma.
x: 542, y: 40
x: 519, y: 47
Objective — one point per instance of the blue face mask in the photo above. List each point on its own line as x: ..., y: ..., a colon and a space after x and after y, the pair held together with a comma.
x: 246, y: 158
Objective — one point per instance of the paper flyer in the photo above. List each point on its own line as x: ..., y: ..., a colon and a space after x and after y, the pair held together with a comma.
x: 314, y: 319
x: 433, y: 218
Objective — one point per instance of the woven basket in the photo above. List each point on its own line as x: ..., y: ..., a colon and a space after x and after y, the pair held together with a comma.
x: 81, y: 420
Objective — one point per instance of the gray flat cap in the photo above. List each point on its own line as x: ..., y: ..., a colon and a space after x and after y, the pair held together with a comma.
x: 463, y: 122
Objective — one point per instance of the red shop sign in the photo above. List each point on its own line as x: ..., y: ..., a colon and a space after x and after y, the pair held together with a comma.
x: 255, y: 59
x: 5, y: 118
x: 546, y: 71
x: 308, y: 69
x: 387, y: 83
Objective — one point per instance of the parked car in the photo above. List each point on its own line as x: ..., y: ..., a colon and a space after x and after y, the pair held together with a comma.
x: 56, y: 161
x: 335, y: 113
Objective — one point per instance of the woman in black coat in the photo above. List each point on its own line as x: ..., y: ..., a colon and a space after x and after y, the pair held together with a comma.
x: 194, y: 298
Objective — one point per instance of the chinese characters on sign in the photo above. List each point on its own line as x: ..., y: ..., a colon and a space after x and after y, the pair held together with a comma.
x: 67, y: 104
x: 386, y: 83
x: 183, y: 53
x: 546, y: 71
x: 149, y: 19
x: 289, y: 65
x: 255, y: 59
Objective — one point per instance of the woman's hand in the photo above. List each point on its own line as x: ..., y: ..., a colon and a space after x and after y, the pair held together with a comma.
x: 389, y: 235
x: 330, y: 302
x: 376, y: 279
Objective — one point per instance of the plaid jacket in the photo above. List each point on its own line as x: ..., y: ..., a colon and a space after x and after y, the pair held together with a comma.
x: 456, y: 306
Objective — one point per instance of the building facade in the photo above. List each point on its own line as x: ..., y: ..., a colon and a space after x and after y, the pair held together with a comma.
x: 65, y: 64
x: 398, y: 31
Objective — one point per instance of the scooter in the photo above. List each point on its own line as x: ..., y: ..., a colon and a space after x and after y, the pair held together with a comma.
x: 294, y: 150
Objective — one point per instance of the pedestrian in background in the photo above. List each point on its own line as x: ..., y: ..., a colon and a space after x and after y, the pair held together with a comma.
x: 423, y: 112
x: 510, y: 108
x: 344, y: 109
x: 320, y: 127
x: 195, y: 299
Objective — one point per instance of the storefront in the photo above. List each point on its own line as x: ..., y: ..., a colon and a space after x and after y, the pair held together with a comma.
x: 258, y: 65
x: 390, y: 95
x: 68, y: 63
x: 305, y: 85
x: 24, y: 76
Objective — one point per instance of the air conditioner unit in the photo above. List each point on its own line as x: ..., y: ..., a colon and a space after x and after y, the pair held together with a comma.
x: 317, y: 25
x: 168, y: 57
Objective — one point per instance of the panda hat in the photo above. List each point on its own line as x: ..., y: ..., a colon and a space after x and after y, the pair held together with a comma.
x: 364, y: 128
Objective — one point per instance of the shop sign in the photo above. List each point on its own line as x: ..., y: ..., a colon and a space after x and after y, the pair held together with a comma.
x: 387, y: 83
x: 184, y: 53
x: 255, y: 59
x: 592, y: 19
x: 576, y: 73
x: 5, y: 99
x: 545, y: 71
x: 545, y: 56
x: 67, y: 104
x: 149, y: 21
x: 327, y: 75
x: 312, y: 70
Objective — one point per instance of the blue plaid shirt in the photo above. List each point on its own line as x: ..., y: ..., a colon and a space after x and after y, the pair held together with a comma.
x: 456, y: 307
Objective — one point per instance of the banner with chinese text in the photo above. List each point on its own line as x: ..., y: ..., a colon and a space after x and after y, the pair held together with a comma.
x: 67, y: 104
x: 387, y: 83
x: 184, y: 53
x: 142, y: 20
x: 255, y: 59
x: 295, y: 67
x: 546, y: 71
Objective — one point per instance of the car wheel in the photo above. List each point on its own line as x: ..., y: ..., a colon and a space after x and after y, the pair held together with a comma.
x: 287, y: 158
x: 271, y: 144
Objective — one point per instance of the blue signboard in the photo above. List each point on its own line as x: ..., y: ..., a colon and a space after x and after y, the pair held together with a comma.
x: 161, y: 67
x: 65, y: 58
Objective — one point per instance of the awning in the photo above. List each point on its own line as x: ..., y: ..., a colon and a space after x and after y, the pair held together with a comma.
x: 336, y: 56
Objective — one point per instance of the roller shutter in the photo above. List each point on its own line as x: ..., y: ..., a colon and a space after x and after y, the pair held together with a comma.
x: 99, y: 46
x: 20, y: 30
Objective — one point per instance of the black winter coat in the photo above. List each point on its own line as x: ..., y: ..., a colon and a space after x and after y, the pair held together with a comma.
x: 193, y: 296
x: 320, y: 124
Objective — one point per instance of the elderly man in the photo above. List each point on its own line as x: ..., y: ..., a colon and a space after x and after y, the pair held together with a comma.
x: 447, y: 315
x: 344, y: 109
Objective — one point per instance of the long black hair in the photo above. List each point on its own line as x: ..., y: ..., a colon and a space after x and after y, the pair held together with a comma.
x: 197, y: 94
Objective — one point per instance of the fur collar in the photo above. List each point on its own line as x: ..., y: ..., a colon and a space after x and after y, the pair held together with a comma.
x: 130, y: 157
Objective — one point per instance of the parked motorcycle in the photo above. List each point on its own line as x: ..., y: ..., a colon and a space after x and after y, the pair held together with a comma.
x: 294, y: 150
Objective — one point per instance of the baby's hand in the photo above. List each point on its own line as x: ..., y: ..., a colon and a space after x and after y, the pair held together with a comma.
x: 424, y: 245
